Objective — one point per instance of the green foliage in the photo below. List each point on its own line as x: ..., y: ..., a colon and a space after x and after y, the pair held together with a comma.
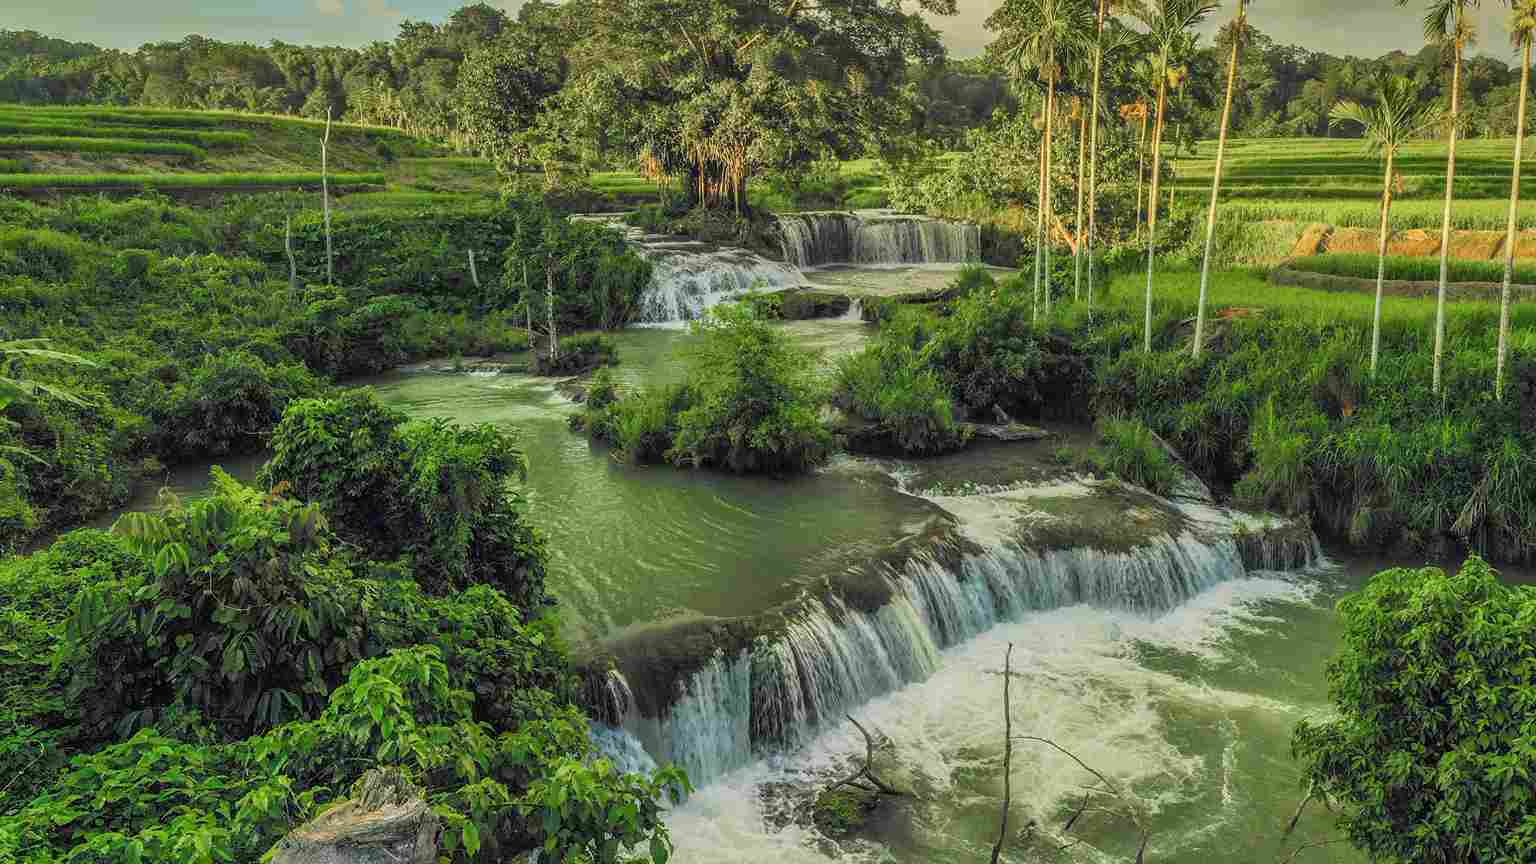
x: 891, y: 382
x: 753, y: 399
x: 750, y: 402
x: 437, y: 496
x: 231, y: 180
x: 578, y: 353
x: 1429, y: 756
x: 227, y: 404
x: 1128, y: 450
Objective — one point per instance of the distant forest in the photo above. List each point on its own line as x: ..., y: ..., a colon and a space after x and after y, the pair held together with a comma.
x: 414, y: 82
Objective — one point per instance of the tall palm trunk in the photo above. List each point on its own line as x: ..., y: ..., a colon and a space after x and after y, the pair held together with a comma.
x: 1381, y: 259
x: 1445, y: 222
x: 1077, y: 226
x: 1039, y: 219
x: 1050, y: 199
x: 1157, y: 177
x: 1509, y: 238
x: 1221, y: 153
x: 1141, y: 167
x: 1093, y: 145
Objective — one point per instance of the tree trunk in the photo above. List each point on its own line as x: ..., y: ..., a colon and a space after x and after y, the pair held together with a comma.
x: 1050, y: 199
x: 1514, y: 213
x: 549, y: 296
x: 325, y: 197
x: 1381, y: 259
x: 1039, y: 219
x: 1221, y: 153
x: 293, y: 264
x: 1157, y: 176
x: 1093, y: 145
x: 1077, y: 226
x: 1445, y: 222
x: 1141, y: 167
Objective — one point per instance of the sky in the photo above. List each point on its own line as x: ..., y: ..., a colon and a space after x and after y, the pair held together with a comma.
x: 1365, y: 28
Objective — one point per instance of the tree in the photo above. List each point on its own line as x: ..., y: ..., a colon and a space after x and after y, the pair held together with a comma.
x: 1522, y: 31
x: 1100, y: 51
x: 716, y: 92
x: 1237, y: 34
x: 1430, y: 755
x: 1039, y: 35
x: 1168, y: 23
x: 1446, y: 24
x: 1397, y: 117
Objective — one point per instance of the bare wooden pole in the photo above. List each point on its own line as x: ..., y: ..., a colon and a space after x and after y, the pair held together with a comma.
x: 1002, y: 831
x: 325, y: 196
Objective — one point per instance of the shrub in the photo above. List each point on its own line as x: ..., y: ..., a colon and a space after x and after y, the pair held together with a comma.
x: 754, y: 399
x: 1429, y: 751
x: 435, y: 495
x: 577, y: 354
x: 1128, y: 450
x: 228, y: 405
x: 890, y: 383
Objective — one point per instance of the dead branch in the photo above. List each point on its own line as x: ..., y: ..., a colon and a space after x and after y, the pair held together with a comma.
x: 1313, y: 844
x: 1002, y: 833
x: 1108, y: 784
x: 865, y: 772
x: 1296, y: 817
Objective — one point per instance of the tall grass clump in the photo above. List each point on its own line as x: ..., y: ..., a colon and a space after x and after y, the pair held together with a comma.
x: 1130, y: 451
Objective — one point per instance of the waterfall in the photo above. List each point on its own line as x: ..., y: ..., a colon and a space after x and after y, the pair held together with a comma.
x: 875, y: 238
x: 689, y: 277
x: 803, y: 672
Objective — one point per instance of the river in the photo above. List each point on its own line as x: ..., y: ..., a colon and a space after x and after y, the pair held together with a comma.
x: 1154, y: 639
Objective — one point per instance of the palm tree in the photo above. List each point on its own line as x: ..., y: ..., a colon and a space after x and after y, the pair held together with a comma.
x: 1100, y: 51
x: 1446, y: 23
x: 1522, y: 30
x: 1168, y: 22
x: 1396, y: 117
x: 1081, y: 116
x: 1038, y: 35
x: 1238, y: 34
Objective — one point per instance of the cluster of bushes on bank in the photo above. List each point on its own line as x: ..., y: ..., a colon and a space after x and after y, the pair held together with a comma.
x: 248, y: 656
x: 749, y: 403
x: 197, y: 340
x: 1280, y: 412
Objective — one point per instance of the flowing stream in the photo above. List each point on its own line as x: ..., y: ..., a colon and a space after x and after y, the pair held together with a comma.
x: 731, y: 623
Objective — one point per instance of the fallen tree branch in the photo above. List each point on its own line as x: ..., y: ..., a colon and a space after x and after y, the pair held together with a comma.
x: 1002, y: 833
x: 1314, y: 844
x: 864, y: 771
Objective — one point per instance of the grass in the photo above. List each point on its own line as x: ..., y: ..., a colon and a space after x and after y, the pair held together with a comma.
x: 1484, y: 215
x: 182, y: 181
x: 200, y: 137
x: 411, y: 200
x: 13, y: 166
x: 1178, y: 291
x: 1364, y: 266
x: 68, y: 144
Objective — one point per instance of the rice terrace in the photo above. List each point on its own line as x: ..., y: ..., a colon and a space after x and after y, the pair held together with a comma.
x: 767, y: 432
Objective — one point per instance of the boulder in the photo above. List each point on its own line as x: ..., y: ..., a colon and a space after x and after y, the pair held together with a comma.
x: 386, y: 821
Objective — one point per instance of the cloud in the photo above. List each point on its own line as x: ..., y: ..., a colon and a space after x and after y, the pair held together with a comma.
x: 330, y: 7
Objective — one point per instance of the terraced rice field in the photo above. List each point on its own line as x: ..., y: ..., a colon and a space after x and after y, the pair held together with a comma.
x: 62, y: 149
x: 1335, y: 181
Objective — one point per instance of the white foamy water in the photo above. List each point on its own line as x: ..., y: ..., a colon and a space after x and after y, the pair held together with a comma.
x: 1078, y: 682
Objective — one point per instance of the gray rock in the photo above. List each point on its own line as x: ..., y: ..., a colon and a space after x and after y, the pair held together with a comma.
x: 386, y: 821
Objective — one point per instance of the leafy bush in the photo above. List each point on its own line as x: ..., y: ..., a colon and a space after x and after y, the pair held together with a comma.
x: 435, y: 495
x: 577, y: 354
x: 227, y: 405
x: 1128, y: 450
x: 1430, y: 749
x: 749, y: 403
x: 889, y: 382
x: 754, y: 399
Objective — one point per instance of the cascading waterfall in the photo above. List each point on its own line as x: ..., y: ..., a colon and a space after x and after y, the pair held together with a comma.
x: 689, y: 277
x: 875, y: 238
x: 828, y: 657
